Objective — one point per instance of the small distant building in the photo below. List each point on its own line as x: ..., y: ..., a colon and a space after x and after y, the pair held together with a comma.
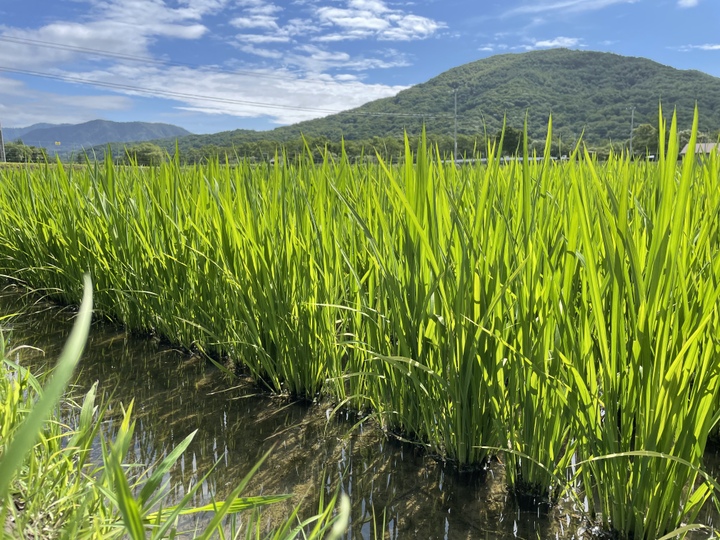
x: 701, y: 149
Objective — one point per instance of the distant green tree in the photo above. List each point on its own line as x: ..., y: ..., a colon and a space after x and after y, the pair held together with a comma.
x: 511, y: 140
x: 17, y: 152
x: 645, y: 140
x: 471, y: 146
x: 146, y: 153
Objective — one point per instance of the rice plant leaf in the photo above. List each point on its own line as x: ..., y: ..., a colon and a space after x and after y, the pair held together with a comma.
x: 239, y: 504
x: 221, y: 512
x: 342, y: 520
x: 680, y: 532
x: 157, y: 476
x: 127, y: 505
x: 32, y: 426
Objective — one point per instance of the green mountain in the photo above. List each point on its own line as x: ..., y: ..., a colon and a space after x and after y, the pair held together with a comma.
x: 74, y: 137
x: 590, y: 93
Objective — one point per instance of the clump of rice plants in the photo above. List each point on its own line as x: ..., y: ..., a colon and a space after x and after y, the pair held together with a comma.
x: 534, y: 415
x: 645, y: 362
x: 220, y: 259
x: 431, y: 367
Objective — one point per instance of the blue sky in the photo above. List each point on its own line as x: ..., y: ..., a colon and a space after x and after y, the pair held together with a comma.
x: 214, y: 65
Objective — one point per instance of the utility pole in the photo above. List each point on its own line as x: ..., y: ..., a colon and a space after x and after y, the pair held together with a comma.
x: 454, y: 86
x: 632, y: 128
x: 2, y: 147
x: 455, y: 130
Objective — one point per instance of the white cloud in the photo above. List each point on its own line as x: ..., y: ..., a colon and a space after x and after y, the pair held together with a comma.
x: 23, y: 106
x: 329, y: 79
x: 147, y: 12
x: 565, y: 5
x: 255, y: 21
x: 353, y: 19
x: 282, y: 95
x: 703, y: 47
x: 409, y: 27
x: 559, y: 41
x: 264, y: 53
x: 106, y: 28
x: 363, y: 19
x: 23, y: 50
x: 314, y: 59
x: 687, y: 3
x: 261, y: 38
x: 258, y: 15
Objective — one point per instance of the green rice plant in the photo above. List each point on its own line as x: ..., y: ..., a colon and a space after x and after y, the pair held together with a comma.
x: 225, y: 260
x: 534, y: 413
x: 27, y: 432
x: 432, y: 367
x: 645, y: 359
x: 275, y: 251
x: 41, y: 485
x: 326, y: 524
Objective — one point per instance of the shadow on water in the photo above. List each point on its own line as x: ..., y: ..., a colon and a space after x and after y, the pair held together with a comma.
x: 393, y: 487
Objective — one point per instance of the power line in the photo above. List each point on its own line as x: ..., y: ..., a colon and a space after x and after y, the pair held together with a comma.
x: 157, y: 92
x: 148, y: 60
x: 213, y: 99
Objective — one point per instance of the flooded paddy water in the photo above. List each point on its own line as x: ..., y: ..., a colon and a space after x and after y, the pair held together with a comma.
x: 394, y: 487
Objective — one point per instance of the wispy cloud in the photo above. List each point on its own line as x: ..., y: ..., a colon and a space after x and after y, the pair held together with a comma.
x: 258, y: 15
x: 262, y: 52
x: 282, y: 95
x: 106, y: 28
x: 573, y: 6
x: 255, y: 21
x: 559, y: 41
x: 703, y: 47
x: 26, y: 106
x: 533, y: 44
x: 314, y: 59
x: 262, y: 38
x: 688, y: 3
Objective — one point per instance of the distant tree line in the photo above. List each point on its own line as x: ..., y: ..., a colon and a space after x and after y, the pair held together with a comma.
x: 18, y: 152
x: 390, y: 149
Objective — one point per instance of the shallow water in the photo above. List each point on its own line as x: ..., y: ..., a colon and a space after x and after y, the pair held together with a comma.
x: 393, y: 487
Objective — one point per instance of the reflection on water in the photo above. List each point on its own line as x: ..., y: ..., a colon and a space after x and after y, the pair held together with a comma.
x: 393, y: 488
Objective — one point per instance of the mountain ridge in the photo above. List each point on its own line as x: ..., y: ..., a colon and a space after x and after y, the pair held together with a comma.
x: 88, y: 134
x: 588, y: 93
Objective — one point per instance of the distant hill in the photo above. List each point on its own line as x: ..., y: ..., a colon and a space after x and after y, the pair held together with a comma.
x: 97, y: 132
x: 13, y: 134
x: 586, y: 92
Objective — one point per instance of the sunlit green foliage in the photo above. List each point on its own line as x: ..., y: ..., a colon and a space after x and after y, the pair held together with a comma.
x: 549, y: 310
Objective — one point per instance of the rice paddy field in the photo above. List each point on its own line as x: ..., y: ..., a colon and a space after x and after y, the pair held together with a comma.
x: 559, y: 316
